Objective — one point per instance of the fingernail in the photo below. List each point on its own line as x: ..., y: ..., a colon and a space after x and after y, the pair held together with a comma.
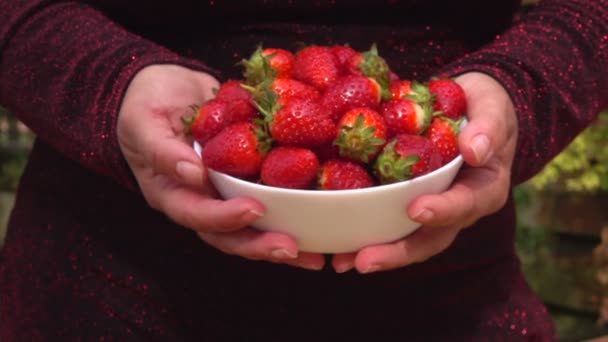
x: 251, y: 215
x: 188, y: 171
x: 371, y: 268
x: 481, y: 148
x: 345, y: 267
x: 423, y: 215
x: 282, y: 254
x: 311, y: 266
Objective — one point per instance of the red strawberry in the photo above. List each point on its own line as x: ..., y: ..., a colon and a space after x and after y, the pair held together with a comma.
x: 238, y: 150
x: 450, y: 98
x: 210, y: 118
x: 301, y: 123
x: 406, y: 156
x: 343, y: 53
x: 412, y: 90
x: 350, y: 92
x: 280, y: 60
x: 239, y: 101
x: 317, y: 66
x: 443, y: 132
x: 268, y: 63
x: 406, y: 116
x: 339, y: 174
x: 232, y: 90
x: 269, y: 96
x: 206, y: 121
x: 400, y: 89
x: 290, y: 167
x: 372, y: 65
x: 361, y: 134
x: 288, y: 89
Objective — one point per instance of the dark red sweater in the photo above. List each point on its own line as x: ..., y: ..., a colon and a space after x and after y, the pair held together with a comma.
x: 86, y: 259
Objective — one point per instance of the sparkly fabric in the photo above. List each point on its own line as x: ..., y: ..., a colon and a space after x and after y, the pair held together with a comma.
x: 86, y: 259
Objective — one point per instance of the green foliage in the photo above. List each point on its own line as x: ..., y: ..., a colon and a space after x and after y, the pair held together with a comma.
x: 15, y: 144
x: 583, y: 165
x: 10, y: 173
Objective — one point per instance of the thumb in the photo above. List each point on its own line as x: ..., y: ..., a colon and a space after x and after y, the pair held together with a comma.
x: 477, y: 141
x: 491, y: 118
x: 174, y: 157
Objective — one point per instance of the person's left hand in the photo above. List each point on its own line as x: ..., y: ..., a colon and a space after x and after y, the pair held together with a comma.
x: 487, y: 144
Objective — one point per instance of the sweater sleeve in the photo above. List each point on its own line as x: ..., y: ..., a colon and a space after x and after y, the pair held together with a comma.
x: 64, y: 68
x: 554, y: 64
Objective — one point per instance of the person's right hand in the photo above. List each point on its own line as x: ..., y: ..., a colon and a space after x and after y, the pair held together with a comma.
x: 172, y: 177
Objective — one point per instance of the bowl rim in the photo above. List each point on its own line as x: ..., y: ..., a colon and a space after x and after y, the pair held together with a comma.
x: 453, y: 163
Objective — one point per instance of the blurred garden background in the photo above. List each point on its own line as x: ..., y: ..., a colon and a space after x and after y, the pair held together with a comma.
x: 562, y: 231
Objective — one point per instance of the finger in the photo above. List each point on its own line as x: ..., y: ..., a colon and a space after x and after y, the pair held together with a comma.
x: 419, y: 247
x: 168, y: 153
x: 155, y: 141
x: 343, y: 262
x: 475, y: 193
x: 175, y: 158
x: 259, y: 245
x: 197, y: 211
x: 484, y: 133
x: 491, y: 118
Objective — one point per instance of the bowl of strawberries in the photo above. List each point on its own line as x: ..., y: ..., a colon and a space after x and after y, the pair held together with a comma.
x: 331, y: 142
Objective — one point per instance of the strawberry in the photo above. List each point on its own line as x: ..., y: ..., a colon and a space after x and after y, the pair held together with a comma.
x: 233, y: 90
x: 290, y: 167
x: 288, y: 89
x: 268, y: 63
x: 403, y: 115
x: 343, y: 53
x: 443, y: 133
x: 317, y: 66
x: 301, y: 123
x: 280, y: 60
x: 450, y: 98
x: 340, y: 174
x: 400, y: 89
x: 206, y: 121
x: 238, y: 150
x: 240, y: 102
x: 406, y: 156
x: 412, y: 90
x: 372, y: 65
x: 350, y: 92
x: 270, y: 95
x: 361, y: 134
x: 209, y: 119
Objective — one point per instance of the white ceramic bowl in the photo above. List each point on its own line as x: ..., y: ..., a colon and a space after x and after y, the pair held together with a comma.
x: 338, y: 221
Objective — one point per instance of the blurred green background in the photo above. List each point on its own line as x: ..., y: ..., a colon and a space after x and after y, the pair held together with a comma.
x: 562, y: 230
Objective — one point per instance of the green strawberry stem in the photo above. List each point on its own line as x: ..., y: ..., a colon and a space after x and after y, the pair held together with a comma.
x: 264, y: 99
x: 358, y: 142
x: 390, y: 167
x: 189, y: 121
x: 421, y: 94
x: 266, y: 102
x: 262, y: 134
x: 454, y: 124
x: 428, y: 114
x: 257, y: 68
x: 375, y: 67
